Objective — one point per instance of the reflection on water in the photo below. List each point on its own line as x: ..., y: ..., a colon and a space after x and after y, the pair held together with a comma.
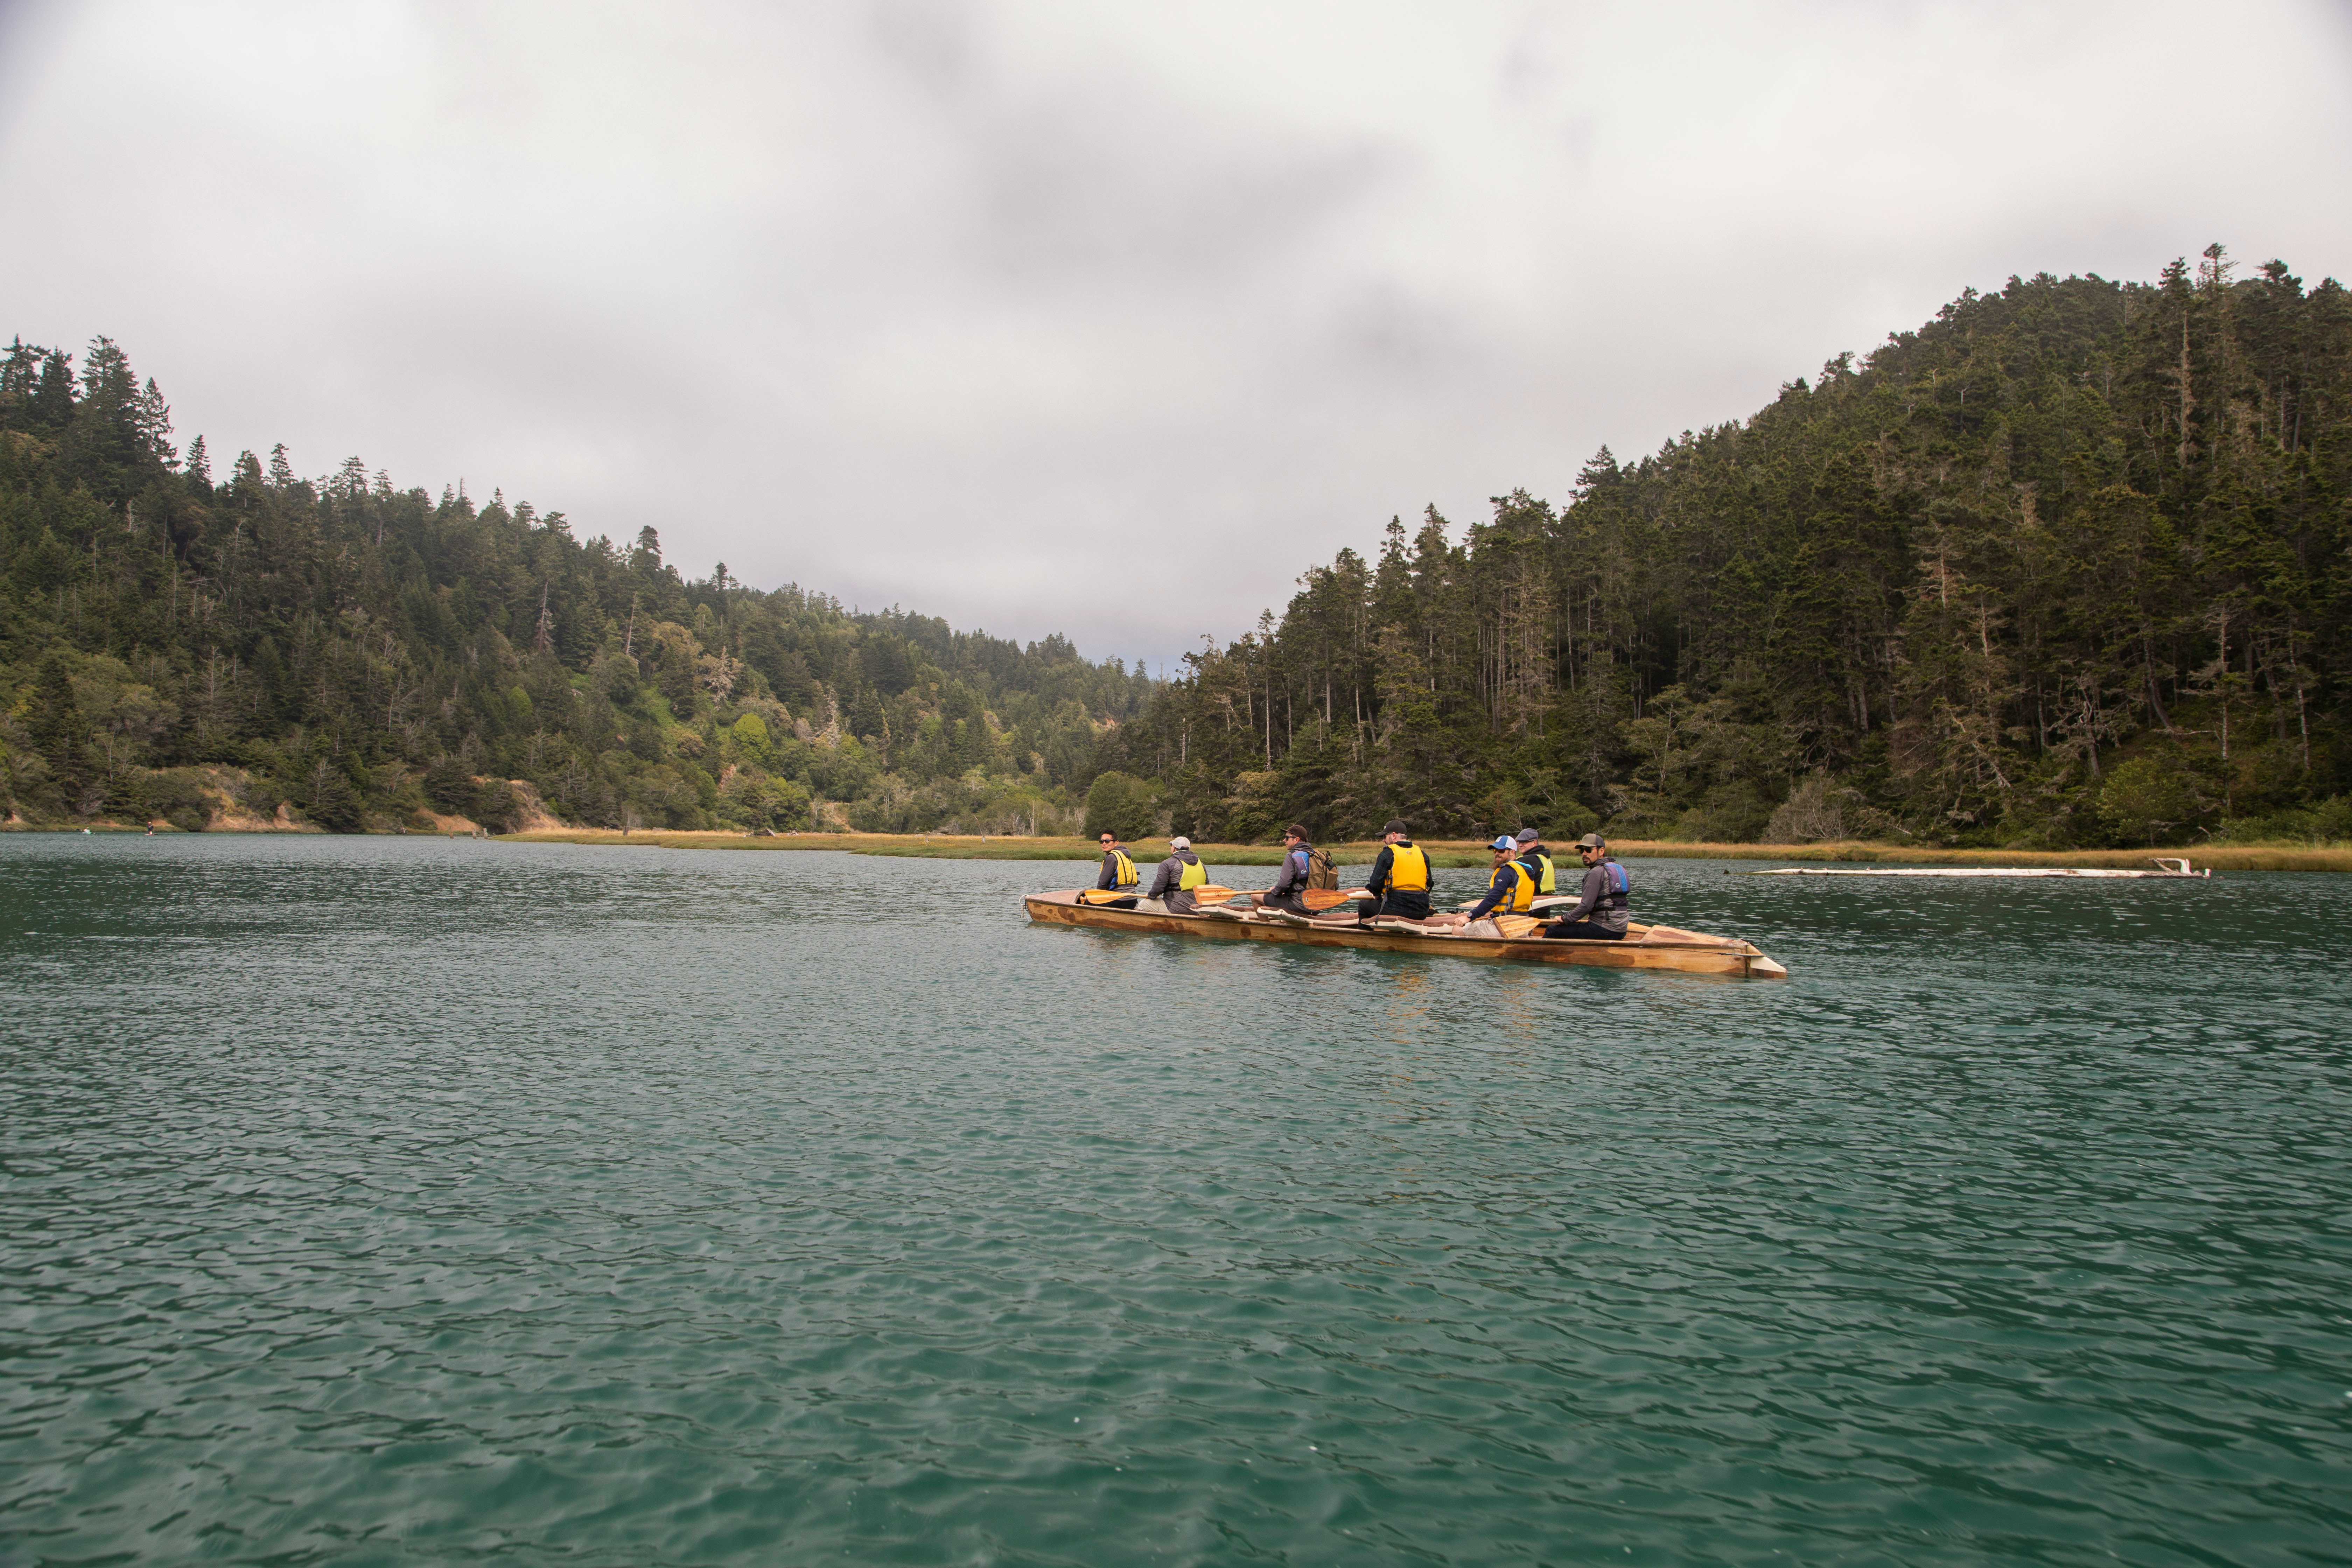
x: 427, y: 1201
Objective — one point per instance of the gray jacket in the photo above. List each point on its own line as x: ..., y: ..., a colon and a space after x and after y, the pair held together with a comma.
x: 1171, y: 871
x: 1596, y: 902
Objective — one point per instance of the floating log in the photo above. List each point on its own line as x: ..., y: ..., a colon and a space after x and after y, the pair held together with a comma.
x: 2168, y: 871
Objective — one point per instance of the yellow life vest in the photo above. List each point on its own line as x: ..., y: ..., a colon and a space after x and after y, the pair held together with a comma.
x: 1195, y: 875
x: 1124, y: 876
x: 1523, y: 887
x: 1545, y: 882
x: 1408, y: 869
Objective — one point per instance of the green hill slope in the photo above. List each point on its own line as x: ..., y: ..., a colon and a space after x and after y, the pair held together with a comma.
x: 2064, y: 566
x: 363, y: 655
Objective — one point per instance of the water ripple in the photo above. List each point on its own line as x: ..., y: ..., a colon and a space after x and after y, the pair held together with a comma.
x: 400, y: 1201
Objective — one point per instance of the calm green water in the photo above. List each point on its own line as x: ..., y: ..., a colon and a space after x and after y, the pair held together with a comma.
x: 408, y: 1201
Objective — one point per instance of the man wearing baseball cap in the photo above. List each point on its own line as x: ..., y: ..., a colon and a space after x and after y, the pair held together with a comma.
x: 1537, y: 860
x: 1289, y: 893
x: 1600, y: 912
x: 1507, y: 891
x: 1399, y: 884
x: 1179, y: 874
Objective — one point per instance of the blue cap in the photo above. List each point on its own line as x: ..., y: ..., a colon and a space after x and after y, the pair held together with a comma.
x: 1503, y: 841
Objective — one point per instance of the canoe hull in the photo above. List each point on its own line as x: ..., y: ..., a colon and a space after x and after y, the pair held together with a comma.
x: 1705, y: 955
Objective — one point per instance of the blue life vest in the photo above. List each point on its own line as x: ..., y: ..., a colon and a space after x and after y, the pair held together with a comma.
x: 1613, y: 892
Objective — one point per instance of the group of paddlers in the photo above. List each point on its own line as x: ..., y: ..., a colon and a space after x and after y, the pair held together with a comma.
x: 1399, y: 886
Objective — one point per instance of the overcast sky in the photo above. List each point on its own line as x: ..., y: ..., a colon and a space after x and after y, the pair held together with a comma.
x: 1082, y: 317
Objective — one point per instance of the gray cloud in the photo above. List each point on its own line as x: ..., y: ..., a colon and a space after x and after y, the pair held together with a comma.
x: 1048, y: 316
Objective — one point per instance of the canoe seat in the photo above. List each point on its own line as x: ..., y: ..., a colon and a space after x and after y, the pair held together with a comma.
x: 1413, y: 928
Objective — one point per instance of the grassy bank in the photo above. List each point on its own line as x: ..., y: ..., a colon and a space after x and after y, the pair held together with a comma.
x: 1460, y: 853
x: 2218, y: 857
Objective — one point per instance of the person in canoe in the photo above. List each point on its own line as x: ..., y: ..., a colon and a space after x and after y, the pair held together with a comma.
x: 1117, y: 879
x: 1533, y: 856
x: 1600, y: 912
x: 1289, y: 893
x: 1509, y: 889
x: 1399, y: 884
x: 1179, y: 874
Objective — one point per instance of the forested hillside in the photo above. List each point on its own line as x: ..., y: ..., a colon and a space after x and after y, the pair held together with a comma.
x: 2067, y: 565
x: 361, y: 655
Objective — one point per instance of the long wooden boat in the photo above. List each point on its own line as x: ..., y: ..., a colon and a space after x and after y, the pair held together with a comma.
x: 1650, y: 947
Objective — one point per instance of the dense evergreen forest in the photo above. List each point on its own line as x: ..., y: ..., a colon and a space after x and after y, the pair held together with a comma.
x: 2067, y: 565
x: 194, y: 650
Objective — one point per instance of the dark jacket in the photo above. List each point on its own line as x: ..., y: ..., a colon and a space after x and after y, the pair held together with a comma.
x: 1106, y: 878
x: 1291, y: 880
x: 1507, y: 878
x: 1411, y: 903
x: 1596, y: 903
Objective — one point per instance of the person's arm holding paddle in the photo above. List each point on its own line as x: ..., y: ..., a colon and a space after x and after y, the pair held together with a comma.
x: 1375, y: 886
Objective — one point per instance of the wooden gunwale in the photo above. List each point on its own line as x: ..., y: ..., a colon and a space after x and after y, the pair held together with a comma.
x: 1721, y: 955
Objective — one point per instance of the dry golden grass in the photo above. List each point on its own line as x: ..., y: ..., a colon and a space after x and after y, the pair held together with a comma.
x: 1460, y: 853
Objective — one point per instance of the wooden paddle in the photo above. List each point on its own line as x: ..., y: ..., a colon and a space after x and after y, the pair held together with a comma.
x: 1321, y: 899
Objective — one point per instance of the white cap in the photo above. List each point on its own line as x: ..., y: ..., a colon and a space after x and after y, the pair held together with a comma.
x: 1179, y: 842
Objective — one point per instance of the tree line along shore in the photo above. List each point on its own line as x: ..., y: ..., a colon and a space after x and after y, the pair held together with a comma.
x: 2065, y: 570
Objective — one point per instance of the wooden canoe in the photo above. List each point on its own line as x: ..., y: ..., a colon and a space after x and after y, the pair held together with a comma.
x: 1655, y: 947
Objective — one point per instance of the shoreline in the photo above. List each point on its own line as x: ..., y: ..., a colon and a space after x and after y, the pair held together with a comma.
x: 1446, y: 854
x: 1459, y: 854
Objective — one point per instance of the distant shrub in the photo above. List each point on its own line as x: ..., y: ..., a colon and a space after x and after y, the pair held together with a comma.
x: 1122, y: 804
x: 2329, y: 822
x: 2144, y: 798
x: 497, y: 807
x: 178, y: 795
